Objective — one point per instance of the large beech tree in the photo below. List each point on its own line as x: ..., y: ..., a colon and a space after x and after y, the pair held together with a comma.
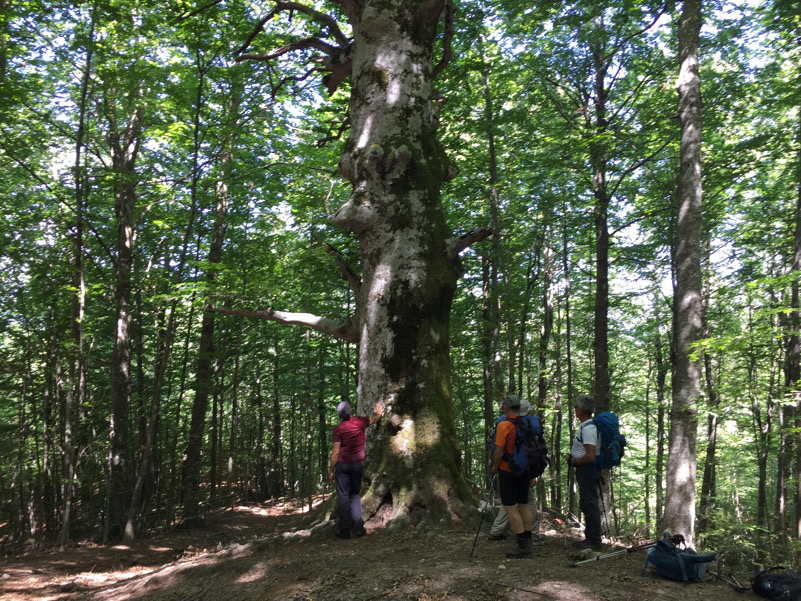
x: 409, y: 256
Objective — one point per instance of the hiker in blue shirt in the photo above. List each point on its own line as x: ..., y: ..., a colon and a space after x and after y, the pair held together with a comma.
x: 582, y: 456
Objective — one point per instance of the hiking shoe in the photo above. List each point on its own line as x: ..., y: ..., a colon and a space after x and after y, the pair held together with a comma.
x: 340, y: 534
x: 360, y: 531
x: 585, y: 544
x: 500, y: 536
x: 523, y: 549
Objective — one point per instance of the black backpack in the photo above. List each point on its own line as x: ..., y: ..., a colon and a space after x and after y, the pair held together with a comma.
x: 777, y: 583
x: 678, y: 564
x: 531, y: 452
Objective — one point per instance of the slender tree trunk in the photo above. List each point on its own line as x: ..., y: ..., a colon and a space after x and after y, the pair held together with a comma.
x: 493, y: 377
x: 276, y: 472
x: 488, y: 357
x: 709, y: 481
x: 233, y: 470
x: 74, y: 394
x: 204, y: 372
x: 49, y: 500
x: 598, y: 161
x: 263, y: 482
x: 688, y: 309
x: 547, y: 323
x: 793, y: 349
x: 661, y: 377
x: 497, y: 388
x: 322, y: 439
x: 647, y: 471
x: 124, y: 146
x: 708, y: 501
x: 568, y: 407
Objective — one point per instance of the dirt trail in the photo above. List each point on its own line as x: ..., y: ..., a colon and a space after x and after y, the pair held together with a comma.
x: 264, y: 553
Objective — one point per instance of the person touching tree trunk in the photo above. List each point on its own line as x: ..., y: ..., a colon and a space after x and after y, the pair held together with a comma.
x: 347, y: 467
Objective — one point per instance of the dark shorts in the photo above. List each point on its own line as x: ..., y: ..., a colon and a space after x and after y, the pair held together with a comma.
x: 514, y: 489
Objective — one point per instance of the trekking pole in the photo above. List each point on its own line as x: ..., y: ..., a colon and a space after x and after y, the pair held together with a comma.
x: 734, y: 583
x: 481, y: 520
x: 607, y: 518
x: 646, y: 544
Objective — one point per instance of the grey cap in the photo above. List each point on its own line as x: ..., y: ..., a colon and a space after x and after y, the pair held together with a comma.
x: 511, y: 401
x: 525, y: 406
x: 343, y: 410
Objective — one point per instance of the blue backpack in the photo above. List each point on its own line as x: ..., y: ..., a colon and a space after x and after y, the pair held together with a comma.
x: 613, y: 443
x: 531, y: 452
x: 678, y: 564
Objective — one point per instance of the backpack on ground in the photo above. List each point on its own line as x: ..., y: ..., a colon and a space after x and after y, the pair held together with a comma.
x: 777, y: 583
x: 613, y: 443
x: 678, y: 564
x: 531, y: 452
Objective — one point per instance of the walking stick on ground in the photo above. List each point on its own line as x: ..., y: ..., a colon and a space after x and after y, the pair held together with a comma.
x: 481, y: 521
x: 646, y: 544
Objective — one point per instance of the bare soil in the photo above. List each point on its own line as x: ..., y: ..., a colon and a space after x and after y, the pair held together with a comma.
x: 273, y: 552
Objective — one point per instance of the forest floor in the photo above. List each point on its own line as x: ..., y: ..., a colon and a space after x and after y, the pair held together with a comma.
x: 268, y: 552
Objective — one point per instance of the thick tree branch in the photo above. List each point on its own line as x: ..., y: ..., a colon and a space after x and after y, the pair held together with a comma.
x: 197, y: 11
x: 333, y: 26
x: 337, y: 56
x: 315, y: 43
x: 456, y: 245
x: 348, y: 274
x: 447, y: 37
x: 343, y: 330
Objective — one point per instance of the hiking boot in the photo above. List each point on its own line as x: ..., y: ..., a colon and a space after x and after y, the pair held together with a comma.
x: 340, y: 534
x: 523, y: 549
x: 585, y: 544
x: 500, y: 536
x: 358, y: 531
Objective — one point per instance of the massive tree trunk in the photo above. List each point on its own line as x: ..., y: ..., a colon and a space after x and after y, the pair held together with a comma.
x: 688, y: 326
x: 409, y: 256
x: 409, y: 263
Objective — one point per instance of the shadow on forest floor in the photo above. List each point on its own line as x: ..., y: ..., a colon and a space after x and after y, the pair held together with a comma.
x: 266, y: 552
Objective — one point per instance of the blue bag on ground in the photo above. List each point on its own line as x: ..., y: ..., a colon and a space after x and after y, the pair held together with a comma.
x: 777, y: 583
x: 684, y: 565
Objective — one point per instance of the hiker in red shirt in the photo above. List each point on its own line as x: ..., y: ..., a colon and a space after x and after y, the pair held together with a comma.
x: 347, y: 467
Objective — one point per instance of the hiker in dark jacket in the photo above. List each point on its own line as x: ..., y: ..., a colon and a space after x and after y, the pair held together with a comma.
x: 514, y: 488
x: 347, y: 467
x: 582, y: 456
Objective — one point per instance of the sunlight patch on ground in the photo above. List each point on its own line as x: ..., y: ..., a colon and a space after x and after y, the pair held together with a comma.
x: 256, y: 572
